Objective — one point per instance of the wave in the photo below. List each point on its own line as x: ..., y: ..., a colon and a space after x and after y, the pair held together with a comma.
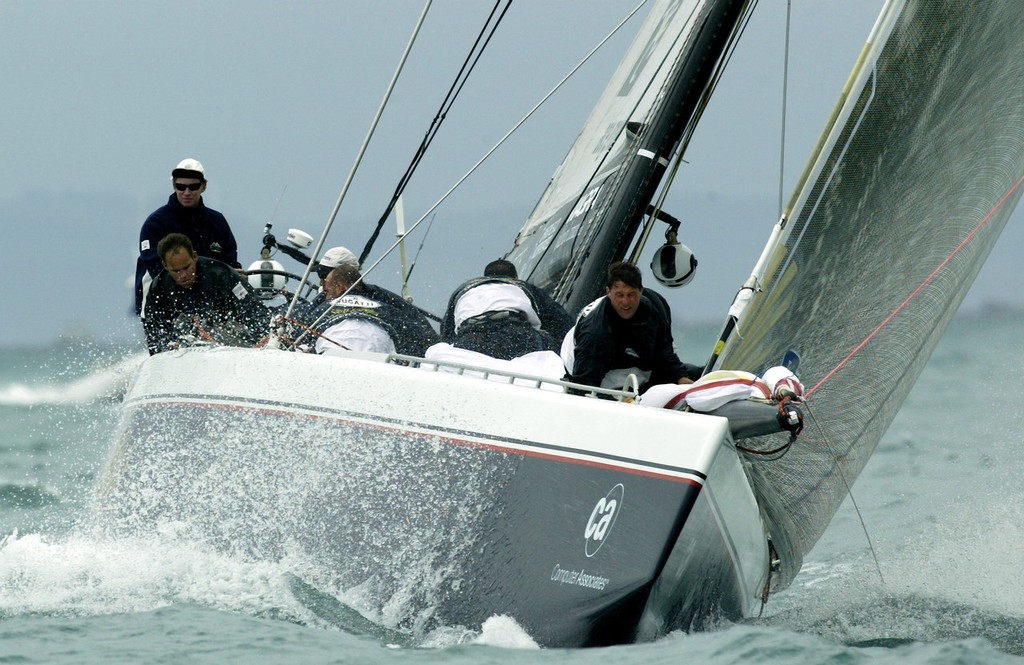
x: 26, y: 495
x: 498, y: 630
x: 105, y: 383
x: 950, y: 578
x: 86, y: 575
x: 895, y: 620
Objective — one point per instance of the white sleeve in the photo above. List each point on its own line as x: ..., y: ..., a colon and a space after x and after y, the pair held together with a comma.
x: 356, y: 335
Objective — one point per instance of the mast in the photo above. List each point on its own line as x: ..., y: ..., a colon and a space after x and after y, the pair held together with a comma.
x: 595, y: 203
x: 655, y: 142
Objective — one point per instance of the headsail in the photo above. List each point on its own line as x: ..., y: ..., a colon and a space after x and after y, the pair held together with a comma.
x: 913, y: 183
x: 595, y: 202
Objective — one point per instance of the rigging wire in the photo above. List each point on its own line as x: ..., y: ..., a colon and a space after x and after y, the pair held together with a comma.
x: 520, y: 123
x: 512, y: 131
x: 415, y: 258
x: 359, y: 156
x: 479, y: 162
x: 468, y: 65
x: 785, y: 92
x: 849, y: 491
x: 277, y: 204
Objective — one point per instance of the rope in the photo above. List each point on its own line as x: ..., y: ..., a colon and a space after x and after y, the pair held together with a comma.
x: 918, y: 290
x: 359, y: 155
x: 849, y: 491
x: 299, y: 324
x: 203, y: 332
x: 472, y: 58
x: 783, y: 449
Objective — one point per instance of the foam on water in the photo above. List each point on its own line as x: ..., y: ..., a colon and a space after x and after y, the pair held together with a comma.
x: 503, y: 631
x: 87, y: 576
x: 109, y: 382
x: 82, y: 576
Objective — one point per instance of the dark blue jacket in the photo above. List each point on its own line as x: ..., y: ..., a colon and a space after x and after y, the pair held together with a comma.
x: 205, y: 227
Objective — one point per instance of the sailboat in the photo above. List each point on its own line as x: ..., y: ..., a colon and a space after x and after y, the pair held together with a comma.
x: 431, y: 494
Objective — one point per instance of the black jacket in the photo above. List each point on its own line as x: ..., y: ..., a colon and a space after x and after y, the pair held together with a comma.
x: 604, y: 342
x: 225, y: 304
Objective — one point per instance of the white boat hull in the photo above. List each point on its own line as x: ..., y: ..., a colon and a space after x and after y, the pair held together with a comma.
x: 446, y: 498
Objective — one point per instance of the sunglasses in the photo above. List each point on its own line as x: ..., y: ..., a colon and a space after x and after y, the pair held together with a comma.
x: 181, y: 187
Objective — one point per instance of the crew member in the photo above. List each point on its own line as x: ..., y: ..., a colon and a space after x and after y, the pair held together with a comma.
x: 624, y: 332
x: 184, y: 213
x: 503, y: 316
x: 197, y: 295
x: 414, y: 333
x: 354, y: 319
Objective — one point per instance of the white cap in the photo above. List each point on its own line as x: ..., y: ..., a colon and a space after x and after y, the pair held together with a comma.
x: 189, y: 168
x: 338, y: 256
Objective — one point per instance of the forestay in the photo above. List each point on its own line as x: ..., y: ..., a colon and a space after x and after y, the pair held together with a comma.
x: 913, y: 183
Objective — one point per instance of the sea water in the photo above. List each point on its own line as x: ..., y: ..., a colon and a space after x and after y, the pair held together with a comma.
x: 926, y: 568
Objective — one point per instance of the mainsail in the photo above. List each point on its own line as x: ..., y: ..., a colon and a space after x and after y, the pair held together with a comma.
x: 913, y: 182
x: 596, y: 200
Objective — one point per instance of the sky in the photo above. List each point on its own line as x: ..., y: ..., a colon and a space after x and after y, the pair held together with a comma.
x: 103, y: 98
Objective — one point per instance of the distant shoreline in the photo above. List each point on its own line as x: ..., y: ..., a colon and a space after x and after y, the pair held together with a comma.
x: 81, y: 336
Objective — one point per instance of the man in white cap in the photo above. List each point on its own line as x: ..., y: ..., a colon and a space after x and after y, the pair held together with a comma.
x: 333, y: 258
x: 184, y: 213
x: 412, y: 332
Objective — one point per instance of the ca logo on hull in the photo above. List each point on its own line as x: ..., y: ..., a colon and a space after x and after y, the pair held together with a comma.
x: 602, y: 519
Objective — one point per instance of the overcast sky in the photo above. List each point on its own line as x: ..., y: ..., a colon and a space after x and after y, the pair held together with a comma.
x: 102, y: 99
